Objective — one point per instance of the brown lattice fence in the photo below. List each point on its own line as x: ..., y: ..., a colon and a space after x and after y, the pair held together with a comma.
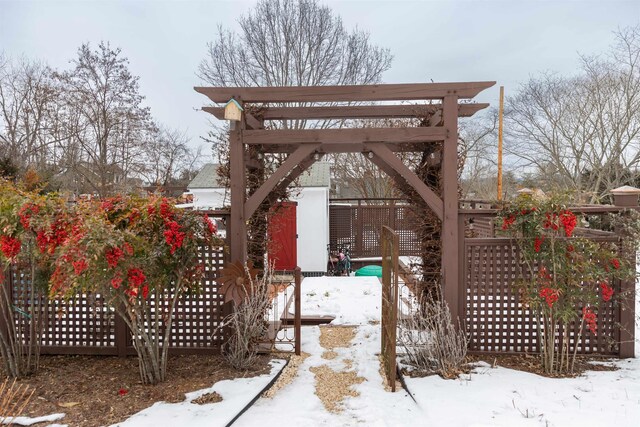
x: 496, y: 319
x: 89, y: 325
x: 359, y: 225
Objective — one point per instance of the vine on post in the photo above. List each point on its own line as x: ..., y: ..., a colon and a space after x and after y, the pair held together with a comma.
x: 567, y: 277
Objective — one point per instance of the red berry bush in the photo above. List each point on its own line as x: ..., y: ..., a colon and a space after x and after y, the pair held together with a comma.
x: 569, y: 276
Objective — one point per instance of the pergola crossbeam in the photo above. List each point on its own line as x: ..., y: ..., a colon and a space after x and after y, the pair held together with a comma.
x: 359, y: 93
x: 339, y: 136
x: 383, y: 155
x: 352, y: 112
x: 285, y: 168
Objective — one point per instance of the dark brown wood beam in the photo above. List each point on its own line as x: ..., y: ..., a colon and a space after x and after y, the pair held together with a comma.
x: 294, y: 159
x: 381, y: 92
x: 353, y: 112
x: 452, y: 256
x: 396, y: 166
x: 339, y: 136
x: 329, y: 148
x: 252, y: 122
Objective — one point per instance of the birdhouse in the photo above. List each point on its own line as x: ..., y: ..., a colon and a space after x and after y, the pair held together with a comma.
x: 233, y: 110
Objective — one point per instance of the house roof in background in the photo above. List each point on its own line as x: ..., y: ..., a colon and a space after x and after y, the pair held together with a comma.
x: 206, y: 178
x: 318, y: 175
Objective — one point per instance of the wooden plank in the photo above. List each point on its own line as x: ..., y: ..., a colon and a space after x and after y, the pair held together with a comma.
x: 350, y: 147
x: 314, y: 136
x: 261, y: 193
x: 346, y: 93
x: 385, y: 155
x: 252, y: 122
x: 354, y: 111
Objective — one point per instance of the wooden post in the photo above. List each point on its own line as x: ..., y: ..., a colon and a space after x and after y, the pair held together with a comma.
x: 449, y: 235
x: 627, y: 197
x: 500, y: 114
x: 298, y: 305
x: 121, y: 335
x: 238, y: 222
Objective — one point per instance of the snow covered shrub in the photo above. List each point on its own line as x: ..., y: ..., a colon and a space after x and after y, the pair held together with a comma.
x: 246, y: 325
x: 567, y: 277
x: 142, y: 256
x: 432, y: 342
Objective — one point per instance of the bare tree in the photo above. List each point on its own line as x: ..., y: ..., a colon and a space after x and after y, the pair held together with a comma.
x: 167, y: 155
x: 287, y: 43
x: 27, y: 107
x: 292, y: 43
x: 105, y: 117
x: 582, y: 133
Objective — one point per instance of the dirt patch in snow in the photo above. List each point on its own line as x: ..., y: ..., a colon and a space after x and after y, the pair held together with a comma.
x: 288, y: 374
x: 329, y: 355
x: 336, y: 336
x: 332, y: 387
x: 103, y: 390
x: 207, y: 398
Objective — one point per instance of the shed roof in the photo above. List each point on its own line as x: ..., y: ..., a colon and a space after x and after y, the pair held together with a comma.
x: 318, y: 175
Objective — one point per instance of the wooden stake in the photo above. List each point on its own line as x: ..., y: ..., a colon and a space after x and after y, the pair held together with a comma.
x: 500, y: 113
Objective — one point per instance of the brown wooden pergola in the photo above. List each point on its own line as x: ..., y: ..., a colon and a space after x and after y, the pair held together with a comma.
x: 305, y: 146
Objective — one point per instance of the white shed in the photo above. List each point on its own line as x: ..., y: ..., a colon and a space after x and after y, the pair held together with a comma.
x: 312, y: 212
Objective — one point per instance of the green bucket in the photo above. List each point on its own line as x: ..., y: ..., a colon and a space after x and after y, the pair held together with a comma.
x: 370, y: 270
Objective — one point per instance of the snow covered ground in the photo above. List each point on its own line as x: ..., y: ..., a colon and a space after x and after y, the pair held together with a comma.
x: 486, y: 397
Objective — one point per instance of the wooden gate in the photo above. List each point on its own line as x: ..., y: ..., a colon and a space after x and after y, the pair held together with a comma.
x: 390, y: 250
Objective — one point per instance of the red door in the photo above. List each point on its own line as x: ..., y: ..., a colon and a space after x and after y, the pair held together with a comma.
x: 282, y: 235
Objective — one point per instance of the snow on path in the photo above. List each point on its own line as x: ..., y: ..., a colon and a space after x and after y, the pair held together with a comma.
x: 354, y: 301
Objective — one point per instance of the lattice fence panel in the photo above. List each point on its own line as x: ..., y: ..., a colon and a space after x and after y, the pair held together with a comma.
x: 198, y: 316
x: 360, y: 226
x: 495, y: 318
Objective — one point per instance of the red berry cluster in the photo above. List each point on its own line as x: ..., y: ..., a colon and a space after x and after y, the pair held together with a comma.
x: 113, y: 256
x: 537, y: 244
x: 213, y: 228
x: 590, y: 319
x: 10, y: 246
x: 549, y: 295
x: 136, y: 279
x: 607, y: 291
x: 568, y: 221
x: 508, y: 222
x: 173, y: 236
x: 616, y: 263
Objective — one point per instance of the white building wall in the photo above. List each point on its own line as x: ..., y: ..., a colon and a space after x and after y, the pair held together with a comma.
x: 312, y: 223
x: 209, y: 198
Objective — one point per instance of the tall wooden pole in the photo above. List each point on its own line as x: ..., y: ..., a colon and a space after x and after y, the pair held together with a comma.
x: 500, y: 113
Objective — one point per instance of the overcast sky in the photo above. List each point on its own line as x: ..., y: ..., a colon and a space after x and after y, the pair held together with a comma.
x: 454, y: 40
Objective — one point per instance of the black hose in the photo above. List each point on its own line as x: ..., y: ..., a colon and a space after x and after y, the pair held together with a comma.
x: 257, y: 396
